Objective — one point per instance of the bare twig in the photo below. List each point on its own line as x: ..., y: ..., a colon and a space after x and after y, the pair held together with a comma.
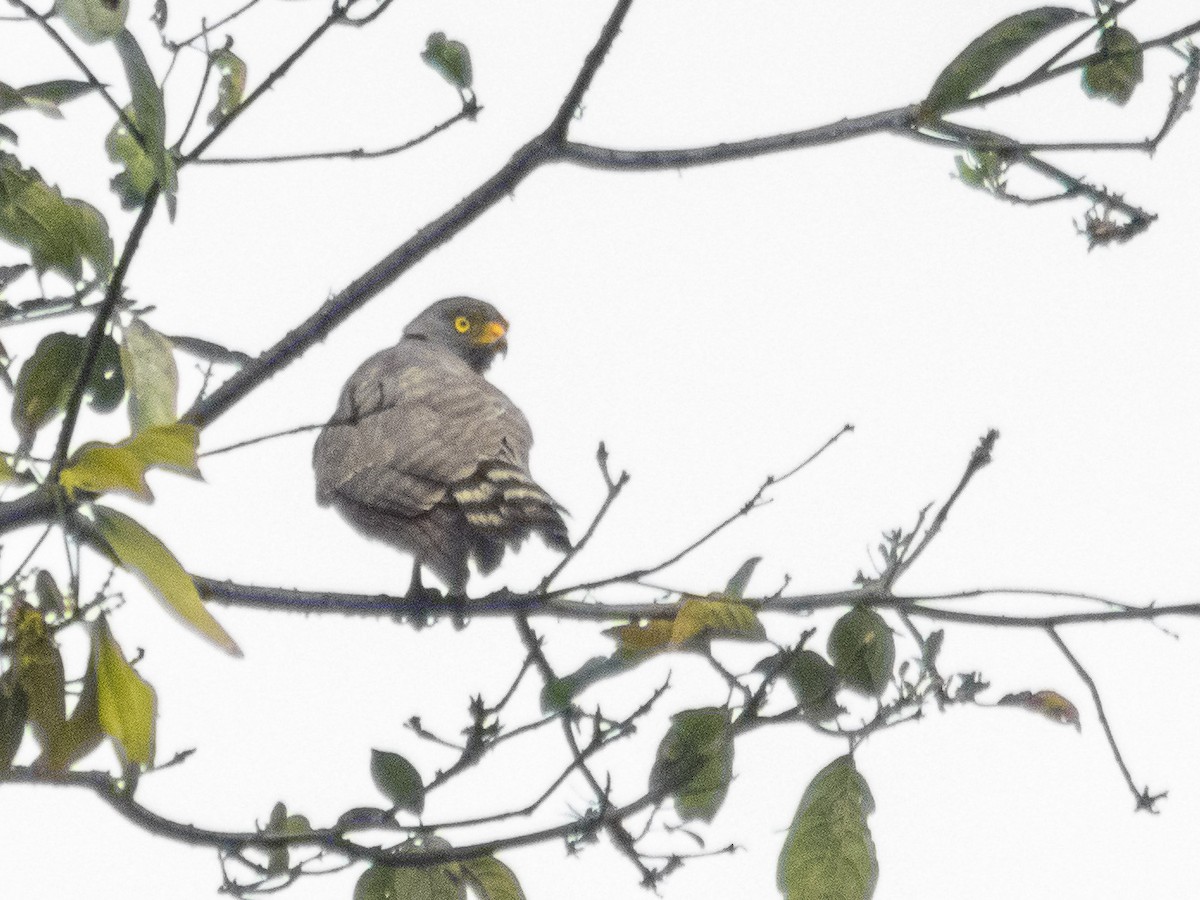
x: 1143, y: 799
x: 981, y: 456
x: 614, y: 489
x: 745, y: 509
x: 469, y: 111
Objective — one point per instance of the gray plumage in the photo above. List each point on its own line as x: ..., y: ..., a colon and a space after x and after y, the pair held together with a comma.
x: 427, y: 455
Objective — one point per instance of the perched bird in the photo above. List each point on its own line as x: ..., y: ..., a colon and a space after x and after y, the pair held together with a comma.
x: 425, y: 454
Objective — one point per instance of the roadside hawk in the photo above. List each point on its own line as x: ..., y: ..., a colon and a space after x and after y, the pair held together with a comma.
x: 425, y: 454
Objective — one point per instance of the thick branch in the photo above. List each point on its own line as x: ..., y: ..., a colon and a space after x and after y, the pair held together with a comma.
x: 505, y: 603
x: 898, y: 120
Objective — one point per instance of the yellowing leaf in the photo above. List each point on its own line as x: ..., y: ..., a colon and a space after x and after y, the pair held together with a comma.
x: 141, y: 552
x: 695, y: 617
x: 172, y: 446
x: 127, y: 703
x: 103, y: 467
x: 829, y: 853
x: 7, y: 472
x: 97, y: 467
x: 1051, y: 704
x: 149, y: 366
x: 636, y: 639
x: 715, y: 618
x: 39, y: 671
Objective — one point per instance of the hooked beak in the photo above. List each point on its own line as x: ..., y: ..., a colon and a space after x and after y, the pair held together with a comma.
x: 493, y: 333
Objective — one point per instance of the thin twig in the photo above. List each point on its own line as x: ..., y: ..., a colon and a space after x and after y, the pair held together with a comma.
x: 745, y: 509
x: 207, y: 29
x: 338, y: 12
x: 99, y: 325
x: 981, y: 456
x: 1143, y: 799
x: 88, y: 74
x: 469, y: 111
x: 614, y: 489
x: 208, y: 67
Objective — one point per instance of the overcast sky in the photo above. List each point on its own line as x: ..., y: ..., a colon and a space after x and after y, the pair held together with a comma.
x: 711, y: 326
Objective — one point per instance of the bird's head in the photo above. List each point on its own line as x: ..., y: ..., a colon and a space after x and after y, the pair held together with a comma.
x: 472, y: 329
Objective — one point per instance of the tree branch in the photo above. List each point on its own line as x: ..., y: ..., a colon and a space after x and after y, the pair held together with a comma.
x: 1144, y: 799
x: 469, y: 111
x: 99, y: 324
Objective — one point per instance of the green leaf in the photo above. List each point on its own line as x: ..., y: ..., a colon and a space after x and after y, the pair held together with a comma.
x: 149, y: 366
x: 278, y: 858
x: 58, y: 232
x: 149, y: 117
x: 557, y: 695
x: 14, y: 707
x: 814, y: 681
x: 828, y: 853
x: 46, y: 379
x: 384, y: 883
x: 7, y: 472
x: 46, y: 97
x: 450, y: 59
x: 975, y: 66
x: 50, y: 598
x: 123, y: 148
x: 863, y: 650
x: 1119, y: 72
x: 398, y: 780
x: 231, y: 87
x: 96, y: 467
x: 81, y: 733
x: 7, y: 134
x: 491, y: 879
x: 127, y: 703
x: 93, y: 20
x: 39, y: 671
x: 736, y: 588
x: 141, y: 552
x: 695, y: 762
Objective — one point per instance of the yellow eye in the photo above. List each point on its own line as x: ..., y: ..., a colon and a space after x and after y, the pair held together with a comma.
x: 462, y: 324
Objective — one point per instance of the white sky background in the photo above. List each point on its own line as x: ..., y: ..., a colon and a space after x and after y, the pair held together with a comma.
x: 712, y: 326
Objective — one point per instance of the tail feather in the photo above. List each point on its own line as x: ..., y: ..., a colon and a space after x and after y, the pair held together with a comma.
x: 503, y: 503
